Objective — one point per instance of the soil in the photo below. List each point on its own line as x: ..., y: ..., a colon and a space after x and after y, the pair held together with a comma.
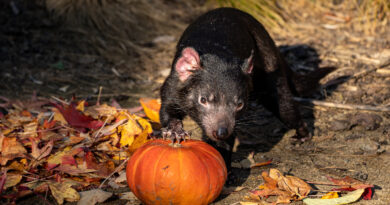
x: 41, y: 57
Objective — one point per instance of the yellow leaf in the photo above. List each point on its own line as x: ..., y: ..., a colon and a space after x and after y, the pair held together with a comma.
x: 134, y: 126
x: 131, y: 127
x: 262, y: 186
x: 348, y: 198
x: 80, y: 106
x: 59, y: 117
x: 144, y: 123
x: 126, y: 140
x: 139, y: 141
x: 63, y: 191
x: 12, y: 180
x: 330, y: 195
x: 151, y: 108
x: 15, y: 165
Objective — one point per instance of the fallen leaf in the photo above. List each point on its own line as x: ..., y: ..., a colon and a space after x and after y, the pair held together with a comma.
x: 348, y: 198
x: 63, y: 191
x: 139, y: 141
x: 49, y: 125
x: 12, y: 180
x: 122, y: 177
x: 151, y: 108
x: 349, y: 182
x: 260, y: 164
x: 30, y: 129
x: 287, y: 188
x: 127, y: 196
x: 330, y: 195
x: 63, y: 157
x: 80, y: 106
x: 11, y: 149
x: 93, y: 196
x: 98, y: 111
x: 39, y: 154
x: 73, y: 170
x: 77, y: 119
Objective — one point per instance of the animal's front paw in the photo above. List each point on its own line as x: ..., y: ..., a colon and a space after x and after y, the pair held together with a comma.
x: 174, y: 131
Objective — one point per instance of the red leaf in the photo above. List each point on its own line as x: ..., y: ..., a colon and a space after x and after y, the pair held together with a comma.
x: 77, y: 119
x: 367, y: 195
x: 48, y: 125
x: 343, y: 189
x: 68, y: 159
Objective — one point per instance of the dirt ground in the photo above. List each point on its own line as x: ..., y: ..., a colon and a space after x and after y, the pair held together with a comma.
x: 40, y: 56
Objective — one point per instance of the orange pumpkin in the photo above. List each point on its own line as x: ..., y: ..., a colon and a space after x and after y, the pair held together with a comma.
x: 191, y: 172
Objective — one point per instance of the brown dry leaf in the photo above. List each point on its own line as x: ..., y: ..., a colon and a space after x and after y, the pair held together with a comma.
x: 73, y: 170
x: 16, y: 119
x: 63, y: 191
x: 151, y: 108
x: 287, y: 188
x: 30, y: 129
x: 93, y: 196
x: 129, y: 196
x: 296, y: 186
x: 104, y: 110
x: 39, y: 154
x: 74, y: 140
x: 11, y: 149
x: 349, y: 182
x: 12, y: 180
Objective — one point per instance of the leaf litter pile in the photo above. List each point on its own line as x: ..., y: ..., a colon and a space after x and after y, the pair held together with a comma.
x: 72, y: 150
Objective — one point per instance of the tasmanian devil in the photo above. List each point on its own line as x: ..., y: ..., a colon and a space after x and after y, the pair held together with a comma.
x: 221, y: 59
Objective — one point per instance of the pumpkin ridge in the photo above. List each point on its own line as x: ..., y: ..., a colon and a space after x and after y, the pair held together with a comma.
x: 180, y: 166
x: 204, y: 164
x: 155, y: 168
x: 135, y: 165
x: 220, y: 159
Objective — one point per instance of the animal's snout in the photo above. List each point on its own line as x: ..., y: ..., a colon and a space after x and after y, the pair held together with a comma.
x: 221, y: 133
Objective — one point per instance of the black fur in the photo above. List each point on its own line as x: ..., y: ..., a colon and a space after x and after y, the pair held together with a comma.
x: 225, y: 38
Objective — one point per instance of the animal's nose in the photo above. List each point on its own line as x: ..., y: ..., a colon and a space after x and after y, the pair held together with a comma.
x: 222, y: 132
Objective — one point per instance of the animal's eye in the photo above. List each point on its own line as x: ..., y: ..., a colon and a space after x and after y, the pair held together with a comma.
x: 240, y: 105
x: 202, y: 100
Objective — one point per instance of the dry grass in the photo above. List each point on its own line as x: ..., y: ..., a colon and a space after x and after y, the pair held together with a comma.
x: 367, y: 16
x: 114, y: 29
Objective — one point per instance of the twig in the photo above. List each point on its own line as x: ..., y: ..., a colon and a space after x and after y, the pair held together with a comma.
x: 98, y: 98
x: 59, y: 100
x: 343, y: 106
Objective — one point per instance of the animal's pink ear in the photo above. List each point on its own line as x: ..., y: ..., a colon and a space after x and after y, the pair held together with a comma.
x: 188, y: 62
x: 247, y: 67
